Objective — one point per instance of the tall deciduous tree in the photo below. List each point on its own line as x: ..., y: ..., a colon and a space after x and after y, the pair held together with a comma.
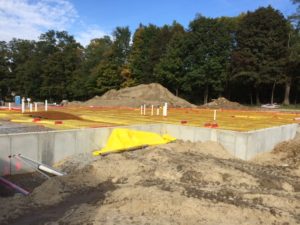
x: 62, y: 55
x: 292, y: 65
x: 209, y: 45
x: 24, y: 67
x: 95, y: 53
x: 170, y: 71
x: 149, y: 45
x: 142, y: 59
x: 4, y: 70
x: 108, y: 73
x: 261, y: 48
x: 293, y: 58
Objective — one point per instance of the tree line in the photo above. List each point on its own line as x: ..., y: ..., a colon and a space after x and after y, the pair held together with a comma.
x: 251, y: 58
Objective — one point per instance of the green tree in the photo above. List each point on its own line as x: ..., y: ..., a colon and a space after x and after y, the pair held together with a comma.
x: 24, y: 67
x: 109, y: 72
x: 62, y: 55
x: 149, y: 45
x: 261, y: 48
x: 209, y: 45
x: 293, y: 58
x: 292, y: 63
x: 4, y: 70
x: 170, y: 71
x: 85, y: 81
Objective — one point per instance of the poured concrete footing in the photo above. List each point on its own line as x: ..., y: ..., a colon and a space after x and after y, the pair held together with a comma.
x: 49, y: 147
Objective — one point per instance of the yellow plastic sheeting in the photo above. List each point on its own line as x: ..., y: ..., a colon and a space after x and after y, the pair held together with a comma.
x: 122, y: 139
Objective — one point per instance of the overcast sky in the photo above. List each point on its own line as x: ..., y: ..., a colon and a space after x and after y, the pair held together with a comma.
x: 87, y: 19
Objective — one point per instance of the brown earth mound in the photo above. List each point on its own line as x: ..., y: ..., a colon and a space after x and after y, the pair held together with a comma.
x: 150, y: 94
x: 177, y: 183
x: 223, y: 103
x: 54, y: 115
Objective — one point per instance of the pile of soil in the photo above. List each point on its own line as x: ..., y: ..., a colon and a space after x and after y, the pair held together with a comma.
x: 149, y: 94
x: 223, y: 103
x: 176, y: 183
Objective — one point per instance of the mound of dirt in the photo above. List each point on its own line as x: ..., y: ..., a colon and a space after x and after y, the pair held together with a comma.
x: 223, y: 103
x: 149, y: 94
x: 176, y: 183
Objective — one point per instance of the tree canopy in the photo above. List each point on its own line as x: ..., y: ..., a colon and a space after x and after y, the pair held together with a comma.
x: 255, y: 55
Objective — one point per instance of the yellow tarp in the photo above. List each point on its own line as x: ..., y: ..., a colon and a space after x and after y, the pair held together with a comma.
x: 122, y: 139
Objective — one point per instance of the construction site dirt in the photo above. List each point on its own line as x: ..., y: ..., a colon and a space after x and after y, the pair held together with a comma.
x: 176, y: 183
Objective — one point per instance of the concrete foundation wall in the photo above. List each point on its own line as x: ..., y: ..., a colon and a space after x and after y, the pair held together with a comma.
x: 243, y: 145
x: 53, y: 146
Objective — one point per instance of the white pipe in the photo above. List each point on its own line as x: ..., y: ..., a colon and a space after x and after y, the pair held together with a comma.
x: 31, y: 163
x: 144, y: 110
x: 157, y: 111
x: 35, y: 107
x: 215, y: 115
x: 40, y: 166
x: 30, y: 107
x: 152, y: 108
x: 49, y: 170
x: 165, y: 109
x: 46, y: 105
x: 23, y: 105
x: 9, y: 106
x: 166, y: 104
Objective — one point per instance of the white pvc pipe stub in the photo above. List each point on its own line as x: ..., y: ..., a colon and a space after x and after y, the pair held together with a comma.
x: 23, y: 105
x: 165, y: 109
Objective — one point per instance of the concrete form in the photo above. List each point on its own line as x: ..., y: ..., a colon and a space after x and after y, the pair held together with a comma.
x: 49, y: 147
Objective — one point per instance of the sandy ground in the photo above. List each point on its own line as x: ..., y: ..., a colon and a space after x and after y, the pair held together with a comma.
x: 177, y: 183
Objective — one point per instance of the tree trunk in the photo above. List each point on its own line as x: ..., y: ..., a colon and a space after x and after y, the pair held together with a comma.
x: 206, y: 94
x: 288, y: 83
x: 251, y: 99
x: 176, y: 92
x: 273, y: 90
x: 257, y: 97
